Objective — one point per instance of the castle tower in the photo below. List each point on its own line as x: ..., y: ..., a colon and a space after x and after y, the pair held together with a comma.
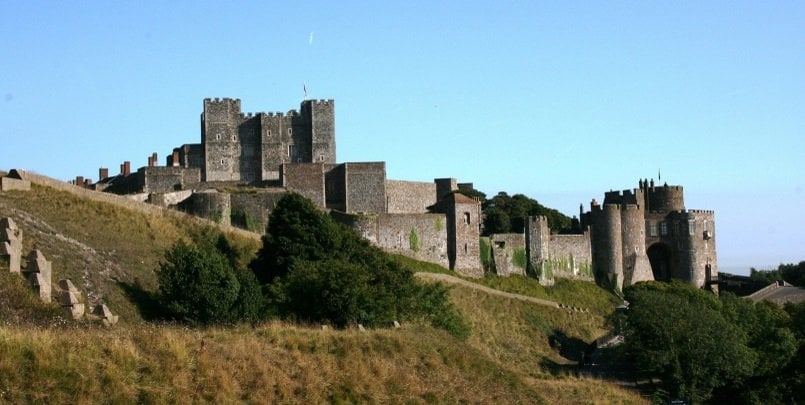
x: 636, y: 266
x: 536, y: 235
x: 607, y: 244
x: 696, y: 246
x: 220, y: 124
x: 320, y: 114
x: 463, y: 234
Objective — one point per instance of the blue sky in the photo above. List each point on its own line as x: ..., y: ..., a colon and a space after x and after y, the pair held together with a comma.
x: 561, y: 101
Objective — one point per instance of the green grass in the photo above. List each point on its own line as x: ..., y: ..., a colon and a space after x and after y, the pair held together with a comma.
x: 582, y: 294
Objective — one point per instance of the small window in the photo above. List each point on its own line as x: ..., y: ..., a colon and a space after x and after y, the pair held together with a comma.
x: 290, y: 131
x: 268, y: 133
x: 691, y: 226
x: 321, y: 158
x: 652, y: 229
x: 466, y: 218
x: 234, y: 137
x: 465, y: 248
x: 217, y: 137
x: 664, y: 228
x: 291, y: 151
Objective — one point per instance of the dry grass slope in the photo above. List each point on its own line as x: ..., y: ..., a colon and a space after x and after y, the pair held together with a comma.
x: 103, y: 248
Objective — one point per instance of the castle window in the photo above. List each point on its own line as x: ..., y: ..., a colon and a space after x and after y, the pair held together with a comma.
x: 691, y: 227
x: 234, y: 137
x: 290, y: 131
x: 466, y: 218
x: 321, y: 158
x: 268, y: 133
x: 664, y: 228
x: 465, y: 248
x: 217, y: 137
x: 652, y: 229
x: 291, y: 151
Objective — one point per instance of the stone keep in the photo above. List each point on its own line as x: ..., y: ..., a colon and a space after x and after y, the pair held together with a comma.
x: 11, y: 244
x: 39, y: 274
x: 251, y: 147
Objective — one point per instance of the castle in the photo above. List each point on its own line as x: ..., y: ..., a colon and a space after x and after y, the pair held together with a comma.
x: 635, y: 235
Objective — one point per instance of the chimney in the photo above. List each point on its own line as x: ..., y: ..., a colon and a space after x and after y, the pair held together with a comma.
x: 79, y: 181
x: 126, y: 168
x: 103, y: 173
x: 175, y: 158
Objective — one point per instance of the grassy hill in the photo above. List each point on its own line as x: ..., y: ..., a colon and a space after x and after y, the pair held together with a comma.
x: 110, y: 253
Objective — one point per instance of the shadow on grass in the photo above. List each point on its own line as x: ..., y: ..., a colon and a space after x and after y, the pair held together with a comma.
x: 576, y: 351
x: 145, y: 301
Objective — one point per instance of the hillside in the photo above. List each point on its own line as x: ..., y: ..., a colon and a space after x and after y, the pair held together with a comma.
x: 111, y: 252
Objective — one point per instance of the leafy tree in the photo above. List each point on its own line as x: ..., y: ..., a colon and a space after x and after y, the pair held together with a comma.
x: 297, y: 230
x: 506, y: 213
x: 677, y: 333
x: 793, y: 273
x: 314, y: 269
x: 197, y: 283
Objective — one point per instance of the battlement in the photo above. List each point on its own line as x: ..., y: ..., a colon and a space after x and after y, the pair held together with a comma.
x: 225, y: 100
x: 699, y: 212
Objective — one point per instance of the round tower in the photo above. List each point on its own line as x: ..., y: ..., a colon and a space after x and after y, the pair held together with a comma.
x: 665, y: 198
x: 636, y: 266
x: 607, y: 245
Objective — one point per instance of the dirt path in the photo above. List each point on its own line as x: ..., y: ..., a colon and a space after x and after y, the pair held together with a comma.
x: 455, y: 280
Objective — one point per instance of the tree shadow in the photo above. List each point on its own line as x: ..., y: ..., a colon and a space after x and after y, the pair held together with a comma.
x: 576, y: 351
x: 145, y: 301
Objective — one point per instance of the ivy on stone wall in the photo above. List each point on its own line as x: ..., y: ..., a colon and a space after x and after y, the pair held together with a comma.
x: 519, y: 258
x: 438, y: 224
x: 413, y: 240
x: 486, y: 254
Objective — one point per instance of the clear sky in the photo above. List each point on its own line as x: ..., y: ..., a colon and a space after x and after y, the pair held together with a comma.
x: 559, y: 100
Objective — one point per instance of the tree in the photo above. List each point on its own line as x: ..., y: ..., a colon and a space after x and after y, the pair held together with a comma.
x: 677, y: 333
x: 197, y: 283
x: 506, y: 213
x: 317, y: 270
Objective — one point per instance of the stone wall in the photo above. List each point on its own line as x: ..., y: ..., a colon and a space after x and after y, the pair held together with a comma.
x: 163, y: 179
x: 409, y: 196
x: 366, y: 187
x: 335, y: 187
x: 506, y: 251
x: 420, y: 236
x: 551, y: 256
x: 254, y: 208
x: 209, y: 204
x: 306, y: 179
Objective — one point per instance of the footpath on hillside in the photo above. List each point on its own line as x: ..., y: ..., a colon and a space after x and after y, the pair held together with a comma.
x: 455, y: 280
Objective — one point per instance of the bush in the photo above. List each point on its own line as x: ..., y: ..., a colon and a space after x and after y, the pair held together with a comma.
x: 197, y: 283
x: 316, y: 270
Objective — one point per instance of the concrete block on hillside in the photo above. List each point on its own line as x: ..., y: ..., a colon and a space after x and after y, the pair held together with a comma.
x: 75, y: 311
x: 106, y: 316
x: 8, y: 184
x: 69, y: 298
x: 67, y: 285
x: 41, y: 285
